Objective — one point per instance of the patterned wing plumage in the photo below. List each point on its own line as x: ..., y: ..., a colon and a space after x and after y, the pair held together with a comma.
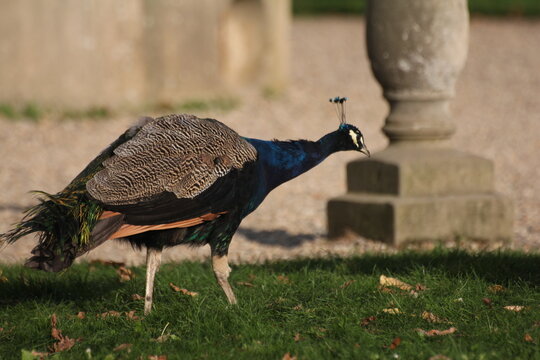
x: 178, y: 154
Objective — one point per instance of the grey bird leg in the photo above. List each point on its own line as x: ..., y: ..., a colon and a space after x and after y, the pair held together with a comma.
x: 220, y: 265
x: 153, y: 259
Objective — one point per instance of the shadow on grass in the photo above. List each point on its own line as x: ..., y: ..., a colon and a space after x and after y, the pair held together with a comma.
x: 81, y: 285
x: 78, y: 284
x: 500, y: 267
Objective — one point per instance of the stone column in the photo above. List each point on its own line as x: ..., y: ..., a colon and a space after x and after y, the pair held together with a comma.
x: 419, y: 188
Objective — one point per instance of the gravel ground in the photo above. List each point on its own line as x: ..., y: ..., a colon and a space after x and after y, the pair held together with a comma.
x: 497, y: 111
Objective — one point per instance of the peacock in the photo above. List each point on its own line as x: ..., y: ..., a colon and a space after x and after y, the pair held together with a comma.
x: 176, y: 179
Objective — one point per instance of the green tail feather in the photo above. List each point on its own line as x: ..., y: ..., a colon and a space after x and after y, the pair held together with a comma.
x: 65, y: 220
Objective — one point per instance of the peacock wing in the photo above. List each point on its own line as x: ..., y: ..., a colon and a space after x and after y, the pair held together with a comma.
x: 175, y: 168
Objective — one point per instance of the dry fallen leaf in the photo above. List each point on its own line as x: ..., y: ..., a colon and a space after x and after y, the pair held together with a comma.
x: 528, y: 338
x: 368, y: 320
x: 288, y: 356
x: 437, y: 332
x: 389, y: 281
x: 426, y: 315
x: 487, y: 301
x: 131, y: 315
x: 298, y: 307
x: 516, y: 308
x: 125, y: 274
x: 137, y: 297
x: 297, y: 337
x: 157, y: 357
x: 283, y: 279
x: 245, y: 283
x: 183, y: 291
x: 108, y: 313
x: 122, y: 347
x: 64, y: 342
x: 395, y: 343
x: 393, y: 311
x: 81, y: 314
x: 496, y: 288
x: 346, y: 284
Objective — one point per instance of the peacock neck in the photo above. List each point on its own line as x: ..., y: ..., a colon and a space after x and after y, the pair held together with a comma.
x: 281, y: 161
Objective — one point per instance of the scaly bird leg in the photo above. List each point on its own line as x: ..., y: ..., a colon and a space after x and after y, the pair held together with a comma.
x: 153, y: 259
x: 220, y: 264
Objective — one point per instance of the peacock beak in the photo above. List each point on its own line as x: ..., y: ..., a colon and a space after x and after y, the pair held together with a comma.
x: 365, y: 151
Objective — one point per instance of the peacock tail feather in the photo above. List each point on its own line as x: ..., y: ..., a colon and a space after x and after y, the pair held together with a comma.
x: 64, y: 220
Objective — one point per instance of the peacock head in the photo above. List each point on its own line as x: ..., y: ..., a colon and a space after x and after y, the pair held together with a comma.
x: 351, y: 137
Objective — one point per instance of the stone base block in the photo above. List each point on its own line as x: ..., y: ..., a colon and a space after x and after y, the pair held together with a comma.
x: 397, y: 220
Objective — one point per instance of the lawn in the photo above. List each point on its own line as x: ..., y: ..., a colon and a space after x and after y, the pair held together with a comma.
x: 309, y: 309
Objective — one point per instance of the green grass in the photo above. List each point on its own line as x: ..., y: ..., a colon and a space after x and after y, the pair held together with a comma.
x: 487, y: 7
x: 309, y: 302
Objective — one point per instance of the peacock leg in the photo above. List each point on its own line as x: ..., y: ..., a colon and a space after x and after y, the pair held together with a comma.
x: 220, y: 264
x: 153, y: 259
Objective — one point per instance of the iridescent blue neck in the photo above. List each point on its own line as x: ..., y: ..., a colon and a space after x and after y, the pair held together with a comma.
x: 281, y: 161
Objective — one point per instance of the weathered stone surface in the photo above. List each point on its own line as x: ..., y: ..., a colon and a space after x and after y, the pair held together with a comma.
x: 77, y: 54
x: 417, y: 189
x: 398, y: 220
x: 417, y: 171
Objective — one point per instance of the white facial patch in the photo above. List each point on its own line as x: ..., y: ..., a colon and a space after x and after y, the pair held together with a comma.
x: 354, y: 137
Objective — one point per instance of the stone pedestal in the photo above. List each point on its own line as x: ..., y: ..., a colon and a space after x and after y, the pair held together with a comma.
x: 419, y: 188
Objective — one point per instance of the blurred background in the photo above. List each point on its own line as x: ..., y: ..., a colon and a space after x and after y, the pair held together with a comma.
x: 74, y: 75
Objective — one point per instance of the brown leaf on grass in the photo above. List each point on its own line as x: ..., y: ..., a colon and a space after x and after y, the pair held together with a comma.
x: 131, y: 315
x: 297, y: 337
x: 435, y: 332
x: 515, y: 308
x: 389, y: 281
x: 157, y: 357
x: 368, y: 320
x: 439, y: 357
x: 395, y: 343
x: 81, y: 315
x: 183, y: 291
x: 420, y: 287
x: 122, y: 347
x: 487, y: 301
x: 393, y: 311
x: 245, y: 283
x: 137, y: 297
x: 298, y: 307
x: 385, y: 289
x: 108, y: 313
x: 426, y: 315
x: 288, y: 356
x: 346, y: 284
x: 528, y: 338
x: 64, y: 342
x: 496, y: 288
x: 125, y: 274
x: 283, y: 279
